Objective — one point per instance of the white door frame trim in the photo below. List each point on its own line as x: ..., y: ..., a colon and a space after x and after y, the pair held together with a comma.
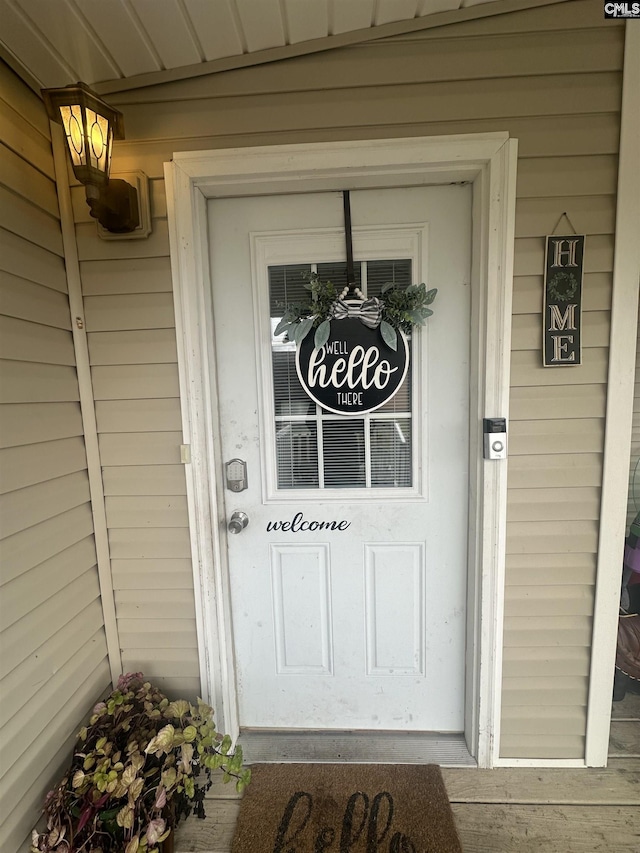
x: 489, y: 161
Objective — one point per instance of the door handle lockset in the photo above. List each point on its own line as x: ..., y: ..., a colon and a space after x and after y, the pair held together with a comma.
x: 236, y: 471
x: 238, y: 522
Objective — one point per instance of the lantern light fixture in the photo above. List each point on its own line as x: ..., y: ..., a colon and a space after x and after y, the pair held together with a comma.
x: 90, y: 125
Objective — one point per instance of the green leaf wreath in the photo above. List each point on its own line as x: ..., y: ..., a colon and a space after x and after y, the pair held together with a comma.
x: 562, y: 287
x: 400, y: 308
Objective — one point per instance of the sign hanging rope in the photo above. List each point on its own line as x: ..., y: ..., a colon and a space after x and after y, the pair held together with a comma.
x: 351, y: 273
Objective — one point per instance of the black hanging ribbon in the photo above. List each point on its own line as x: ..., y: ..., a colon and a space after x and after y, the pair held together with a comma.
x: 351, y: 273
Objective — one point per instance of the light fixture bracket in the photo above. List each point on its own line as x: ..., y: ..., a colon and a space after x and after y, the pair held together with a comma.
x: 139, y: 182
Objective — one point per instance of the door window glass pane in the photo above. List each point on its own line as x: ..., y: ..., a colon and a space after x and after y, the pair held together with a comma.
x: 297, y: 454
x: 337, y: 273
x: 316, y: 449
x: 380, y: 272
x: 391, y: 453
x: 343, y: 453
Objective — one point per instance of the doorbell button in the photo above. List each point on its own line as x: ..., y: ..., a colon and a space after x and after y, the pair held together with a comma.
x: 494, y: 438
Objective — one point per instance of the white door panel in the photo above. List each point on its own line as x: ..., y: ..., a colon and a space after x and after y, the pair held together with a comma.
x: 348, y: 596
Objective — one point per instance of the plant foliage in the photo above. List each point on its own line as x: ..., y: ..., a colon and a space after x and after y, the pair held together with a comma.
x: 300, y: 317
x: 401, y: 308
x: 405, y: 307
x: 140, y: 765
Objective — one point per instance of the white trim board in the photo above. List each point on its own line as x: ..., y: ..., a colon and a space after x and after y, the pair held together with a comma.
x: 619, y: 414
x: 489, y: 162
x: 559, y: 763
x: 87, y: 402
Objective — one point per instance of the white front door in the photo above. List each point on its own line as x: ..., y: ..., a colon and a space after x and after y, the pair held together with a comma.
x: 348, y: 587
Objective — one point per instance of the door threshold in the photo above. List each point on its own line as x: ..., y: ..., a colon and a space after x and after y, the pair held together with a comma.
x: 365, y: 747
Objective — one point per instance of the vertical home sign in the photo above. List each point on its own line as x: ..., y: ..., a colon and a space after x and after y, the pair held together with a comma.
x: 562, y: 333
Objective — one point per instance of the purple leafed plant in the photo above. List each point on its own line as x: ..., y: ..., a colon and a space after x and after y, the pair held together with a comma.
x: 140, y: 765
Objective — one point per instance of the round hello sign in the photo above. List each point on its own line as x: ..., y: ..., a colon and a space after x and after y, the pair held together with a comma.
x: 354, y: 372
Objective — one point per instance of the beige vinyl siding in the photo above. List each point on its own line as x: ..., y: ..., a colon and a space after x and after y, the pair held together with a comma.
x: 132, y: 349
x: 53, y: 658
x: 552, y: 79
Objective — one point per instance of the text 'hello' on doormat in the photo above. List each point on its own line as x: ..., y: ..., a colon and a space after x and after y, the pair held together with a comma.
x: 345, y: 808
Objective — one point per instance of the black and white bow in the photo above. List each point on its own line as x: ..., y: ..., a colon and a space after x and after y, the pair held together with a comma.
x: 369, y: 312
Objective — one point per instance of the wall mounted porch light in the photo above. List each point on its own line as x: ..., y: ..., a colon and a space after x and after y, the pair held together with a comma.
x: 90, y: 125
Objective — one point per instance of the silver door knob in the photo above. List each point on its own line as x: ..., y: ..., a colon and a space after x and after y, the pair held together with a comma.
x: 238, y: 522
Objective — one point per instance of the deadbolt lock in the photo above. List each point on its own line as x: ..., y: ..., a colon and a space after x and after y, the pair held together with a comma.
x: 236, y: 475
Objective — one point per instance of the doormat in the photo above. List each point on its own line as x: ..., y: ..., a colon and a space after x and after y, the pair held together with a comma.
x: 346, y: 808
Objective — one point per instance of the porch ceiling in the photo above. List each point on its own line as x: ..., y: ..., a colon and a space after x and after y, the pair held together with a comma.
x: 124, y: 44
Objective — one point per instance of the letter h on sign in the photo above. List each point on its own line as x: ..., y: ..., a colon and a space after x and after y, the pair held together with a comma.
x: 562, y: 317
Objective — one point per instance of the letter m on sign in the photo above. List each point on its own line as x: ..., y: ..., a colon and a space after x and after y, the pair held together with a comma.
x: 559, y: 321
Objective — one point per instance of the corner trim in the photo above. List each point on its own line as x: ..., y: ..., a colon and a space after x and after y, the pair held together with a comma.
x: 87, y: 401
x: 619, y: 412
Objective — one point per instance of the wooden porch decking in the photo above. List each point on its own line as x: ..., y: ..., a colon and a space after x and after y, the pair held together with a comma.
x: 505, y: 810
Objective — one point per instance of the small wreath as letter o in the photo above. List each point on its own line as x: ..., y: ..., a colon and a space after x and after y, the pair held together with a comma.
x: 562, y: 287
